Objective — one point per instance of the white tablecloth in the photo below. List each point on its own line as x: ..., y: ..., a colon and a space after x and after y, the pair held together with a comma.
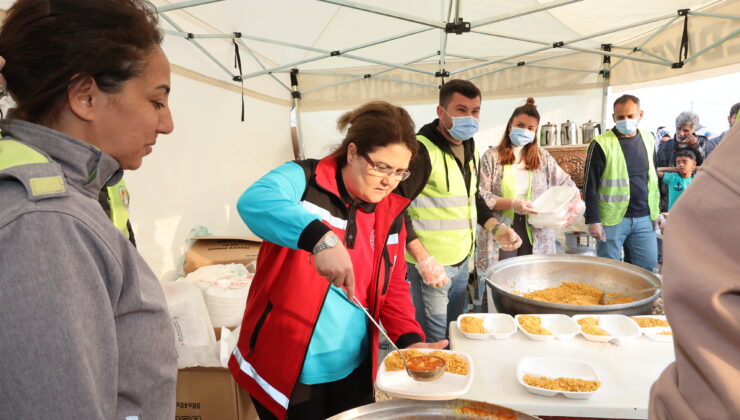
x: 627, y: 371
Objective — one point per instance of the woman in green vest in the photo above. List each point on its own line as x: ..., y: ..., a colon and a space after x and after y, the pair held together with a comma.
x: 512, y: 175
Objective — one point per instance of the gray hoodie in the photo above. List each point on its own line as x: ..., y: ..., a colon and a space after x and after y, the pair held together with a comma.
x: 84, y: 328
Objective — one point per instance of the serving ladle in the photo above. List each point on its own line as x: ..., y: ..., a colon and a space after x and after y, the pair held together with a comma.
x: 418, y: 375
x: 606, y: 296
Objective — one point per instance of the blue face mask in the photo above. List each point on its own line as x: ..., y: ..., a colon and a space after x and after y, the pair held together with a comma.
x: 521, y: 136
x: 627, y: 126
x: 463, y: 128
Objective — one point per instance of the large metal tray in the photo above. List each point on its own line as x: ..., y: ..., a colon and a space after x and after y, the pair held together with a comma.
x: 412, y: 409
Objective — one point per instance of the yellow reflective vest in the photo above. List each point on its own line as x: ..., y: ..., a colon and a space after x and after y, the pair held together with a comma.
x: 444, y: 219
x: 614, y: 187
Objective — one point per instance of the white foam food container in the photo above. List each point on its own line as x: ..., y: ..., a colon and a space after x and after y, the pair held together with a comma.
x: 554, y: 201
x: 619, y: 327
x: 553, y: 367
x: 498, y: 326
x: 561, y: 326
x: 448, y: 387
x: 659, y: 334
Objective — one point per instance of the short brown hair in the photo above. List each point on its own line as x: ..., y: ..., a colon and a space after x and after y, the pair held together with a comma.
x: 374, y: 125
x: 627, y: 98
x: 463, y: 87
x: 51, y: 44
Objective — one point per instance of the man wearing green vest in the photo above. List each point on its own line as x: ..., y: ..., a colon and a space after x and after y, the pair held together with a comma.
x: 441, y: 220
x: 621, y: 191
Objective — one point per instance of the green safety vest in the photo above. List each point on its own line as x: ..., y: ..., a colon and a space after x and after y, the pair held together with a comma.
x: 614, y: 188
x: 15, y: 154
x: 445, y: 220
x: 508, y: 190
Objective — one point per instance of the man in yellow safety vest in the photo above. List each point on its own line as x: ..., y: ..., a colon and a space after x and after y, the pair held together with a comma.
x: 442, y: 219
x: 621, y: 191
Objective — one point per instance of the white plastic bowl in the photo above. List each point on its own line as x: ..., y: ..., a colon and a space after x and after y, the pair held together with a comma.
x: 498, y: 326
x: 561, y: 326
x: 619, y: 327
x: 553, y: 367
x: 554, y: 201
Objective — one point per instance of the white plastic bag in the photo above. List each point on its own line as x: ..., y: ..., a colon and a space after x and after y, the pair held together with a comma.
x: 195, y: 340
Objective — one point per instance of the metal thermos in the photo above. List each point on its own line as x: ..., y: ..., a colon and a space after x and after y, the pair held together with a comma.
x: 549, y: 134
x: 568, y: 133
x: 589, y: 131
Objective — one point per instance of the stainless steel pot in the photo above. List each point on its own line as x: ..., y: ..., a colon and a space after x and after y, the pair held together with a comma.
x: 568, y: 133
x: 510, y: 279
x: 412, y: 409
x: 589, y: 131
x: 579, y: 243
x: 549, y: 134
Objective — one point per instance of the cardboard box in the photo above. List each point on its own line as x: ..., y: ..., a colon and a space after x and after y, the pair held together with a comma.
x: 210, y: 250
x: 211, y: 394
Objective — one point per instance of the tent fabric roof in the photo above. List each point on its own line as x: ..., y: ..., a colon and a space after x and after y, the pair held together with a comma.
x: 280, y: 35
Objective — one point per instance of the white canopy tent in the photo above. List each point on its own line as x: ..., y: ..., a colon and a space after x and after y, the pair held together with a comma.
x: 348, y: 52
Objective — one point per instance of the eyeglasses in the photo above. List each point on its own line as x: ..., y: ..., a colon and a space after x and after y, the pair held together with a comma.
x: 380, y: 169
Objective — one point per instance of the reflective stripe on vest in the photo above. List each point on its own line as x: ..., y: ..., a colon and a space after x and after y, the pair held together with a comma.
x: 270, y: 390
x: 445, y: 220
x: 118, y: 199
x: 14, y: 153
x: 508, y: 190
x: 614, y: 188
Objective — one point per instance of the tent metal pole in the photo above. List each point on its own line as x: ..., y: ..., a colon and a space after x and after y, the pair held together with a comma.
x: 498, y: 60
x: 442, y: 52
x: 408, y: 82
x: 382, y: 40
x: 714, y: 15
x: 184, y: 4
x: 384, y: 12
x: 529, y: 63
x: 259, y: 62
x: 341, y: 82
x: 197, y: 45
x: 326, y: 53
x: 648, y: 39
x: 322, y: 73
x: 522, y: 12
x: 623, y: 56
x: 385, y: 63
x: 605, y: 88
x: 709, y: 47
x: 285, y: 66
x: 621, y: 28
x: 656, y: 56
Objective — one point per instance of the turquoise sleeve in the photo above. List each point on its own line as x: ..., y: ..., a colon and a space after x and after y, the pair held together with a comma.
x: 271, y: 207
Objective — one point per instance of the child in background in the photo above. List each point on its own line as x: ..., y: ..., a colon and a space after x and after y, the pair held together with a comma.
x: 679, y: 177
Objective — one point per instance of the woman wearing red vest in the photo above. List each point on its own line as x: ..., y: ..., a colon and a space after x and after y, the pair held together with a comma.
x: 333, y: 231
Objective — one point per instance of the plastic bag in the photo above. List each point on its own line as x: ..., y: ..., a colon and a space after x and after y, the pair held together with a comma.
x: 195, y: 340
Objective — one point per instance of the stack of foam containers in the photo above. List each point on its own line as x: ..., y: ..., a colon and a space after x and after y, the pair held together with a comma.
x: 552, y: 207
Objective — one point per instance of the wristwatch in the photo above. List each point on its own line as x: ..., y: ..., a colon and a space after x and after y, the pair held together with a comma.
x: 329, y: 241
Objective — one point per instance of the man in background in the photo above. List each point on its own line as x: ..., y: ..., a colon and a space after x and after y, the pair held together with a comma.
x: 713, y: 143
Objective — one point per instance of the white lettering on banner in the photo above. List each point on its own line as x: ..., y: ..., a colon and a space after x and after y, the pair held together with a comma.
x: 325, y: 215
x: 247, y: 368
x: 392, y: 239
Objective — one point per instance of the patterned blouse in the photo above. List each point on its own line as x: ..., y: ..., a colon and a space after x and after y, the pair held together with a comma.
x: 549, y: 174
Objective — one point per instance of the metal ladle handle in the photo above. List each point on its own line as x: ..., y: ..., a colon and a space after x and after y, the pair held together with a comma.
x: 405, y: 362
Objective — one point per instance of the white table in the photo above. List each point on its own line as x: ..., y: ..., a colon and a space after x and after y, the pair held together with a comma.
x: 627, y: 371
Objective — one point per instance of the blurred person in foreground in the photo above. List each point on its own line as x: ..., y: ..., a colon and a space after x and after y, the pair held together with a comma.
x: 701, y: 292
x: 334, y: 232
x: 85, y: 329
x: 621, y: 189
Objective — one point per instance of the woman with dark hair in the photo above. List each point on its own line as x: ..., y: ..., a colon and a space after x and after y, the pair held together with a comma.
x: 86, y: 333
x: 334, y: 236
x: 512, y: 175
